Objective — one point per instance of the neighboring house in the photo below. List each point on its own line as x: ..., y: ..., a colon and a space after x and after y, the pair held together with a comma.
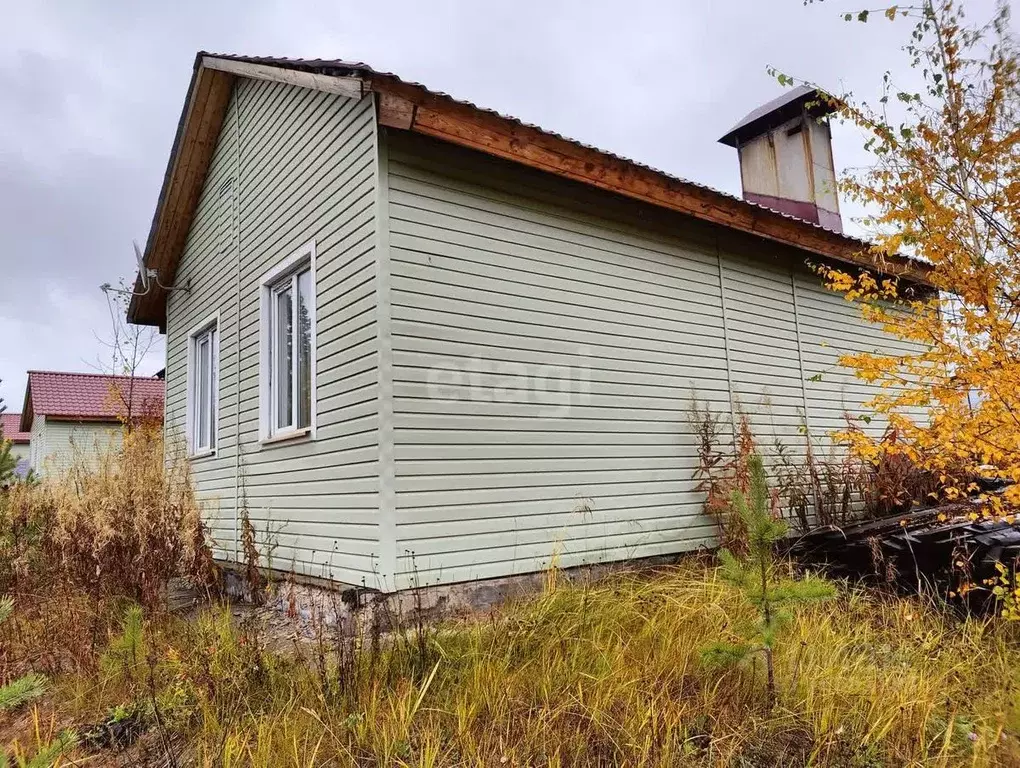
x: 426, y: 342
x: 80, y: 414
x: 20, y: 447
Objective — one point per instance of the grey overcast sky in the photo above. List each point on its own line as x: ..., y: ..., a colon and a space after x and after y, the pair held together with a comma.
x: 90, y: 94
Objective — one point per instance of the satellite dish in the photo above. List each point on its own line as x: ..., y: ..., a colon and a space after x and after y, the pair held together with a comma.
x: 148, y: 277
x: 142, y: 272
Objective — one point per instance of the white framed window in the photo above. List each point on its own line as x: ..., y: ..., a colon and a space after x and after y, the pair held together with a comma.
x: 203, y: 387
x: 287, y: 340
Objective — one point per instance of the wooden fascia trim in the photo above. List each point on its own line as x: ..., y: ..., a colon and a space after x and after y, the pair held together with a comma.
x: 408, y: 107
x: 351, y: 87
x: 67, y: 417
x: 396, y: 111
x: 27, y: 412
x: 189, y: 162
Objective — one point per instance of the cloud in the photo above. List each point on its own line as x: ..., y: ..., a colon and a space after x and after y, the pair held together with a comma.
x: 92, y: 93
x: 66, y: 330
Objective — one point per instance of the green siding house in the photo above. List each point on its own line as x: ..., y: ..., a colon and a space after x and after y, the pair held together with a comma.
x: 20, y: 442
x: 424, y: 342
x: 73, y: 418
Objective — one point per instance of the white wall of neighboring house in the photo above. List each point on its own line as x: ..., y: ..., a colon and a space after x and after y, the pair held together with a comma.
x: 20, y: 451
x: 22, y: 458
x: 35, y: 442
x: 56, y: 444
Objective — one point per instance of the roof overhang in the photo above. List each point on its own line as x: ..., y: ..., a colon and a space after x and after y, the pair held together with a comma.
x: 192, y: 151
x: 412, y: 107
x: 82, y: 419
x: 768, y: 116
x: 26, y: 409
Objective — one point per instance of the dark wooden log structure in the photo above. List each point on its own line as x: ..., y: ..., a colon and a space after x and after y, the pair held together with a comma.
x: 941, y: 550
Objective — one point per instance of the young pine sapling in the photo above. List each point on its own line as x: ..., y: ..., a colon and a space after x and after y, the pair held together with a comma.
x: 758, y: 576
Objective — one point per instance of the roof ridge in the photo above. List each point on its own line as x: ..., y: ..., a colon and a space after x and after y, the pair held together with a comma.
x: 96, y: 375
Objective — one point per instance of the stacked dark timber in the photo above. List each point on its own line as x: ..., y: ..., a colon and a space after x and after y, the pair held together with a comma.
x: 939, y: 550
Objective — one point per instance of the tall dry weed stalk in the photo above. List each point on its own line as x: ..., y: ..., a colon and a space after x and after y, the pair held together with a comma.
x: 721, y: 471
x: 820, y: 489
x: 119, y: 522
x: 833, y: 488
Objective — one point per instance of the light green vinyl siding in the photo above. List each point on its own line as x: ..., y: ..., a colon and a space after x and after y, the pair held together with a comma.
x: 291, y: 165
x: 831, y: 326
x: 503, y: 278
x: 21, y: 451
x: 489, y: 274
x: 761, y: 323
x: 505, y: 360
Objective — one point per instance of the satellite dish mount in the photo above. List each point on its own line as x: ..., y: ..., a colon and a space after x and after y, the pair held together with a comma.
x: 148, y: 277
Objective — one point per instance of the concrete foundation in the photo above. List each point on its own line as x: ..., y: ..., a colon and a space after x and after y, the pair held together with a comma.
x: 312, y: 603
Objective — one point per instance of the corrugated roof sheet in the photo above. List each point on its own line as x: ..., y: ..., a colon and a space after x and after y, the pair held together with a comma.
x: 90, y: 396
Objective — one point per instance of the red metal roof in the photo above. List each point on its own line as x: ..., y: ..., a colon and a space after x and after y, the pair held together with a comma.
x: 11, y: 424
x: 90, y: 396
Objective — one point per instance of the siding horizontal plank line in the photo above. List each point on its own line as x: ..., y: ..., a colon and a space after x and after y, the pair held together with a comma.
x: 307, y: 171
x: 598, y: 255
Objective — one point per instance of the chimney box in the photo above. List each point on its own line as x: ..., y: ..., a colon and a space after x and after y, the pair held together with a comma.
x: 785, y: 154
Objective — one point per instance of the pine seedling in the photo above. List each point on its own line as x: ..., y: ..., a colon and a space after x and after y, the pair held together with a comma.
x: 25, y: 688
x: 21, y: 691
x: 126, y: 651
x: 757, y: 575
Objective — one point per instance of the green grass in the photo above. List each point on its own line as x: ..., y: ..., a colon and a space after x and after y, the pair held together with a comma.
x: 609, y: 674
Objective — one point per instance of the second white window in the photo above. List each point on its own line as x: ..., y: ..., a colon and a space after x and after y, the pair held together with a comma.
x: 290, y: 350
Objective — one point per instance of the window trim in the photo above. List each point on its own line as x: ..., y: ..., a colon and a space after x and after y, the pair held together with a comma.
x: 210, y: 323
x: 294, y: 263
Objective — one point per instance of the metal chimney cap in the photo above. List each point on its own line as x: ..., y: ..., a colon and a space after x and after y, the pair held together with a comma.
x: 774, y: 113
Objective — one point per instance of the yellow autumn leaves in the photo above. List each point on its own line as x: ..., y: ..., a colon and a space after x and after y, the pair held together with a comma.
x: 945, y: 189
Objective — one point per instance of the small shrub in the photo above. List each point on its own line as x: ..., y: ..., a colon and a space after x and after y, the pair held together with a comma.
x: 1006, y: 591
x: 896, y: 482
x: 123, y: 724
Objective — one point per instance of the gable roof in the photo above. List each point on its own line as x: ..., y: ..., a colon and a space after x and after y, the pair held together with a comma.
x: 89, y: 397
x: 11, y: 424
x: 412, y: 107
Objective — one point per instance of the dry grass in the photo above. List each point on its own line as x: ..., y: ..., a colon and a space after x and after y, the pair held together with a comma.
x: 606, y: 673
x: 119, y: 522
x: 603, y: 674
